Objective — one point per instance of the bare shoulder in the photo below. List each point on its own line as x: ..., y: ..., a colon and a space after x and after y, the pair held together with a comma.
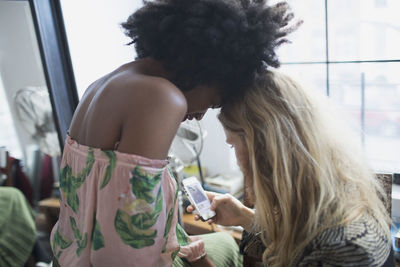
x: 163, y: 92
x: 148, y: 91
x: 152, y: 97
x: 152, y: 110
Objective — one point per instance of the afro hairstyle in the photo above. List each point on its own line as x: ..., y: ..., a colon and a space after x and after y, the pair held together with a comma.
x: 223, y: 43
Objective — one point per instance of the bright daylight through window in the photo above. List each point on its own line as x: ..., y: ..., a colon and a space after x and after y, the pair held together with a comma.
x: 348, y: 49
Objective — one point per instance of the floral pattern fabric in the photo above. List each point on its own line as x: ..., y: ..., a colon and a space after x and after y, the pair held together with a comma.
x: 116, y: 209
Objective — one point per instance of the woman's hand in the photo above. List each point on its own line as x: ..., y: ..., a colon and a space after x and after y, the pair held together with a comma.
x: 195, y: 253
x: 229, y: 211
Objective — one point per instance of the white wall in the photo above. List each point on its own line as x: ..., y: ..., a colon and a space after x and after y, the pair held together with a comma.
x: 96, y: 41
x: 20, y: 66
x: 97, y: 46
x: 217, y: 156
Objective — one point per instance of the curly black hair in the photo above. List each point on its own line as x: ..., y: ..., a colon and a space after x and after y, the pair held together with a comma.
x: 223, y: 43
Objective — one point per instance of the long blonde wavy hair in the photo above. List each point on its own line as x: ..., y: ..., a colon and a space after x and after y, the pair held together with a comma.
x: 307, y: 175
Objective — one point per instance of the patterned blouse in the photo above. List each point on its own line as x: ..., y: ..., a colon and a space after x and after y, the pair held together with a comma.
x: 361, y: 243
x: 116, y: 209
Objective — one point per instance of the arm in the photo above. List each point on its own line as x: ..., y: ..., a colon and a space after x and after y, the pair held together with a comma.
x: 247, y: 218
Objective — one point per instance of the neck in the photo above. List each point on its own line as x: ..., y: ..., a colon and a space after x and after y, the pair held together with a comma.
x: 151, y: 67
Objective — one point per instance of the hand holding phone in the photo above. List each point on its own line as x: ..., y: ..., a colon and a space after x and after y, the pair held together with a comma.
x: 198, y: 198
x: 229, y: 211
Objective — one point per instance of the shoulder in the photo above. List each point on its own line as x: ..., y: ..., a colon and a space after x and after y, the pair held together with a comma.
x: 360, y: 243
x: 150, y: 92
x: 152, y: 110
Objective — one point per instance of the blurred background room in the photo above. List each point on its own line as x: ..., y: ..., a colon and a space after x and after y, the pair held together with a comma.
x: 52, y: 50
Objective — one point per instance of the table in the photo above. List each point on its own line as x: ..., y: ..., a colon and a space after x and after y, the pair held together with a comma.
x: 50, y: 207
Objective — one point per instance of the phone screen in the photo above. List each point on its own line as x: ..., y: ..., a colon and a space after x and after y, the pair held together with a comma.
x: 198, y: 198
x: 196, y: 193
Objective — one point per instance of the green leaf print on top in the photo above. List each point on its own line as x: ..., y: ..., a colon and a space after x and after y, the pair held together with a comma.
x: 130, y: 234
x: 135, y: 230
x: 170, y: 216
x: 143, y: 184
x: 112, y: 161
x: 70, y: 183
x: 60, y: 241
x: 97, y: 237
x: 146, y: 220
x: 81, y: 241
x: 183, y: 239
x: 167, y: 228
x: 73, y: 201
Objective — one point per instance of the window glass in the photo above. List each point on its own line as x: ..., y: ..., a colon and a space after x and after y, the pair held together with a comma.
x: 312, y: 12
x: 310, y: 75
x: 25, y: 111
x: 27, y: 130
x: 8, y: 133
x: 379, y: 123
x: 363, y: 29
x: 96, y: 41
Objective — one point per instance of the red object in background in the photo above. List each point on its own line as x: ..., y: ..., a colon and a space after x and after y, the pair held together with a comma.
x: 378, y: 122
x: 19, y: 179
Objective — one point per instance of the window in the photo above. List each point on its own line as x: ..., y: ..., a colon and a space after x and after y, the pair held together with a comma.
x: 380, y: 3
x: 97, y: 45
x: 8, y: 133
x: 348, y: 49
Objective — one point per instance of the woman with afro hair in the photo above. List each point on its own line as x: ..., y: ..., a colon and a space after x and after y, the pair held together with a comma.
x: 118, y: 198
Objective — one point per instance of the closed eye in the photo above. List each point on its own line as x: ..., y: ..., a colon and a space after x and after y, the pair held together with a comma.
x: 216, y: 106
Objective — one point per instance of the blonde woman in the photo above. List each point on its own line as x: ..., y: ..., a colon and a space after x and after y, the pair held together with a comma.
x: 316, y: 201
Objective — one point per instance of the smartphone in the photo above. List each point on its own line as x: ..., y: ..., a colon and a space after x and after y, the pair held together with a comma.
x: 198, y: 198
